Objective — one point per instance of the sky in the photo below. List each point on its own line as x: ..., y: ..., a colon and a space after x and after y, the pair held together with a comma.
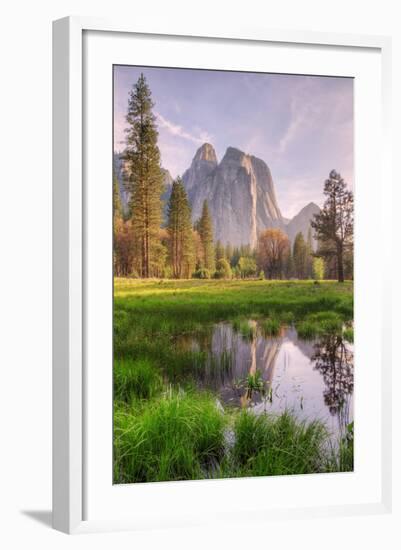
x: 301, y: 126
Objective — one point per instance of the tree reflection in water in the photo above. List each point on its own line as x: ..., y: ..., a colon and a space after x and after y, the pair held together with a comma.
x: 334, y: 360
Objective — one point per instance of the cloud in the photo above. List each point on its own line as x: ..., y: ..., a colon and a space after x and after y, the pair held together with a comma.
x: 178, y: 131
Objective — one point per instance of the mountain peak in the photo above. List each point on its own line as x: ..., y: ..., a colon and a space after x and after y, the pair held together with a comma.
x: 206, y: 152
x: 232, y: 153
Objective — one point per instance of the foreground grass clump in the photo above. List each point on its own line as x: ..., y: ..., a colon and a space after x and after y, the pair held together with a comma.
x: 266, y: 445
x: 177, y: 437
x: 135, y: 379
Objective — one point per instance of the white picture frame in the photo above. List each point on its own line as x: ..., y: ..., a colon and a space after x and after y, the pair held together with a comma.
x: 70, y: 257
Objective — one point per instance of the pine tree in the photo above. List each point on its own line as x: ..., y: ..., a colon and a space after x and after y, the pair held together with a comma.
x: 220, y: 251
x: 144, y: 178
x: 206, y: 235
x: 117, y: 208
x: 228, y: 252
x: 179, y: 228
x: 309, y: 255
x: 334, y: 225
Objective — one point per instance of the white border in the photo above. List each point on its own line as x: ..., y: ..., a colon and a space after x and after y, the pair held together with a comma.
x: 68, y: 281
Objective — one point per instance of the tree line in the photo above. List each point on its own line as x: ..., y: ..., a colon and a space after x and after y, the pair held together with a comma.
x: 146, y: 246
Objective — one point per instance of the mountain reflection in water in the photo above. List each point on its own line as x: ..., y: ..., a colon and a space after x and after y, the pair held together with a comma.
x: 314, y: 379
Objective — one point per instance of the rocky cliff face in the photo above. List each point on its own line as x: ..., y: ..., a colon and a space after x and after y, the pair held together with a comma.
x: 301, y: 222
x: 240, y: 193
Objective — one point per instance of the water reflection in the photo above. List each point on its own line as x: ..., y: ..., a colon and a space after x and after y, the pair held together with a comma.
x: 312, y: 378
x: 334, y: 360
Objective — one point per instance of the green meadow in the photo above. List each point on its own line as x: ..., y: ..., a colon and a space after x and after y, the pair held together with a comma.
x: 167, y: 427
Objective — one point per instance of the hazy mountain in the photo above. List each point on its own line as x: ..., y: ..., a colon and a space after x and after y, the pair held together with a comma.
x: 301, y: 222
x: 240, y: 194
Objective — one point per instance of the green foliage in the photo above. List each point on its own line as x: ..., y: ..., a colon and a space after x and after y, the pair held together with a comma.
x: 220, y: 252
x: 255, y: 383
x: 135, y: 379
x: 300, y: 255
x: 205, y: 228
x: 201, y: 273
x: 318, y: 269
x: 173, y: 438
x: 265, y: 445
x: 334, y: 225
x: 321, y: 323
x: 117, y: 208
x: 223, y: 269
x: 159, y: 434
x: 247, y: 267
x: 143, y: 175
x: 349, y: 334
x: 271, y: 327
x: 179, y: 228
x: 247, y: 330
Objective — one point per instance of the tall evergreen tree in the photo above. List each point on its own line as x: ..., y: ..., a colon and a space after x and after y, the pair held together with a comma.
x: 206, y: 234
x: 299, y: 255
x: 179, y: 228
x: 144, y: 178
x: 334, y: 225
x: 228, y: 252
x: 117, y: 208
x: 309, y: 254
x: 220, y: 251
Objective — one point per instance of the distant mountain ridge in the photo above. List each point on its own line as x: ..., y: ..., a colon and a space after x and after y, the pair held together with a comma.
x: 240, y: 193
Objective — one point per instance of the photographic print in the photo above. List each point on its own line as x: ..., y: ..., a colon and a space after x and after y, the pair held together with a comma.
x: 233, y: 253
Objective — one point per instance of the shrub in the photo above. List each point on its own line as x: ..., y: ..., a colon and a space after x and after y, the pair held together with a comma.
x: 201, y: 273
x: 223, y: 269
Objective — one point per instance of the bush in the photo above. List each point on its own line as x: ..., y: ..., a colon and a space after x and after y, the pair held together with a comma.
x: 223, y: 269
x: 261, y: 275
x: 201, y: 273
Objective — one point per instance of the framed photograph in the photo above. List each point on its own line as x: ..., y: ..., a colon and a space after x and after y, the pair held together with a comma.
x: 219, y: 324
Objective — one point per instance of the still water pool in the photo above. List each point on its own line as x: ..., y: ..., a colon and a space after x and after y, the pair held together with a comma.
x: 247, y: 368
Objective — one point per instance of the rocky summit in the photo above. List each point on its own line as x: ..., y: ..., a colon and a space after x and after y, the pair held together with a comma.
x: 240, y: 194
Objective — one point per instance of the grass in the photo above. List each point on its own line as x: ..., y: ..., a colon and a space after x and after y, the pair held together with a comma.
x: 135, y: 379
x: 165, y: 427
x: 267, y: 445
x: 271, y: 327
x: 319, y: 324
x: 176, y: 437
